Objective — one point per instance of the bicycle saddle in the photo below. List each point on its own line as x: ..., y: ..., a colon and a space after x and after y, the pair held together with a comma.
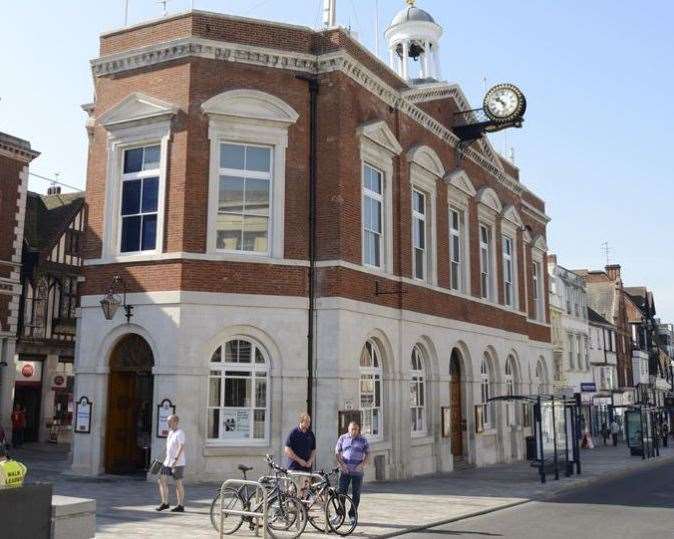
x: 245, y: 468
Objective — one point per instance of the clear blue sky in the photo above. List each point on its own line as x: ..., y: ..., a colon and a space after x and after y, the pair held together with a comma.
x: 597, y: 75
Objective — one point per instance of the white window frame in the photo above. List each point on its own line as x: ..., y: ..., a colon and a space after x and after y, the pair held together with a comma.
x: 539, y: 373
x: 460, y: 192
x: 252, y: 175
x: 487, y: 276
x: 133, y: 176
x: 420, y: 216
x: 121, y: 139
x: 538, y: 285
x: 511, y: 259
x: 579, y: 353
x: 375, y: 373
x: 510, y: 389
x: 572, y: 355
x: 137, y: 120
x: 486, y: 393
x: 460, y: 262
x: 225, y: 130
x: 378, y: 148
x: 418, y: 382
x: 380, y: 198
x: 253, y: 368
x: 425, y: 183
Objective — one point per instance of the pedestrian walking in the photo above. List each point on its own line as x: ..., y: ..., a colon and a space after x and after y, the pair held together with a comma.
x: 604, y: 432
x: 18, y: 418
x: 665, y: 433
x: 173, y: 466
x: 352, y: 453
x: 300, y: 446
x: 615, y: 430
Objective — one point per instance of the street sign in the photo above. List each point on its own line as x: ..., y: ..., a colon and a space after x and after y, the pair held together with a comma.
x: 588, y: 386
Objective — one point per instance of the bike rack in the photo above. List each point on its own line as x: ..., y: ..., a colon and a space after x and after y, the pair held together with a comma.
x: 262, y: 515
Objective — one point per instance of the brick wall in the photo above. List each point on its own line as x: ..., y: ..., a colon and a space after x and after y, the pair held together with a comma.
x: 343, y: 106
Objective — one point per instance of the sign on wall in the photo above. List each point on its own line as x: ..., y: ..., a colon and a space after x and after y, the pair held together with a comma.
x: 165, y: 409
x: 83, y: 415
x: 588, y: 386
x: 29, y: 371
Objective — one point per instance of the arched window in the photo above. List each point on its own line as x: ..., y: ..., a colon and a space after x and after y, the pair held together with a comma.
x: 485, y: 391
x: 238, y: 393
x: 510, y: 380
x: 370, y: 390
x: 417, y: 391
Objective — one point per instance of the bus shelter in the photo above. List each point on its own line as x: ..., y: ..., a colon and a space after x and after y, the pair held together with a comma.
x: 640, y: 425
x: 556, y: 433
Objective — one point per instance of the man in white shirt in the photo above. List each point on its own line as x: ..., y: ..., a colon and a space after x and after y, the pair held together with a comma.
x: 174, y: 465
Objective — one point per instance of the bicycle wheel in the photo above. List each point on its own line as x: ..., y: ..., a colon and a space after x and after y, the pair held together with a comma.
x: 232, y: 501
x: 316, y: 513
x: 340, y: 514
x: 286, y: 517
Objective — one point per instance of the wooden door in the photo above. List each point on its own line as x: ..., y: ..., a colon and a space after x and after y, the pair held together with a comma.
x: 455, y: 407
x: 120, y: 454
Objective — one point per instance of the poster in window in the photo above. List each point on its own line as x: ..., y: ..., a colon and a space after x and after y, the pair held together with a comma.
x: 229, y: 424
x: 165, y: 409
x: 243, y: 422
x: 83, y: 415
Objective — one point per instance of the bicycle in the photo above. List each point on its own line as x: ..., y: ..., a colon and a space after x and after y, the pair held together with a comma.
x: 326, y: 506
x: 286, y: 515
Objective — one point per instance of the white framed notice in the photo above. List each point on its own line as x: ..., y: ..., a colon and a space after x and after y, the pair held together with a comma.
x: 83, y: 415
x: 164, y: 410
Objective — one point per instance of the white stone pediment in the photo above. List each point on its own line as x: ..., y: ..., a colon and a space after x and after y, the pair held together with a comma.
x: 489, y: 198
x: 380, y: 133
x: 526, y: 237
x: 137, y: 106
x: 461, y: 181
x: 425, y: 157
x: 540, y: 243
x: 512, y: 215
x: 251, y: 104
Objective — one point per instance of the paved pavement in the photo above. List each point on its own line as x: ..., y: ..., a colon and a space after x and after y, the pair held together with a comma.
x: 638, y: 505
x: 125, y: 507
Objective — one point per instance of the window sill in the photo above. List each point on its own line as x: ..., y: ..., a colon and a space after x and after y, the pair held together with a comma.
x: 378, y: 444
x: 421, y: 439
x: 214, y: 449
x: 488, y: 432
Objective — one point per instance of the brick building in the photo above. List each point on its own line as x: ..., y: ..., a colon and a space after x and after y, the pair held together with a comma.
x: 45, y: 347
x: 15, y: 157
x: 426, y: 282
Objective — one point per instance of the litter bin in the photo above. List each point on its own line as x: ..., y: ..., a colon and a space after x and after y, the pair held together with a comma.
x: 531, y: 447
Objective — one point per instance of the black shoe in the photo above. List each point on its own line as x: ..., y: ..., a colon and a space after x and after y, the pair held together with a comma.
x: 162, y: 507
x: 177, y: 509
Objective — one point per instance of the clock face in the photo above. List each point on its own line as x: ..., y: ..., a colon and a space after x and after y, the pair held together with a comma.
x: 504, y: 102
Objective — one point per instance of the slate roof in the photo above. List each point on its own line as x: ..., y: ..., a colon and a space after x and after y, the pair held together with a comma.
x: 594, y: 316
x: 47, y: 216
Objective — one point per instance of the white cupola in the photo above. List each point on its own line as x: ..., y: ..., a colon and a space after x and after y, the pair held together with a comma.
x: 413, y: 37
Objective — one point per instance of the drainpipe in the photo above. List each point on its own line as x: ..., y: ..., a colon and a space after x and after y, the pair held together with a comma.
x: 313, y: 143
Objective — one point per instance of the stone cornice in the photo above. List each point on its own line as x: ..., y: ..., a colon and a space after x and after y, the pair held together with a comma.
x: 16, y: 148
x: 535, y: 213
x: 334, y: 61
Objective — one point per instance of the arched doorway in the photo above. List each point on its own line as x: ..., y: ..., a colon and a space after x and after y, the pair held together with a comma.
x: 455, y: 398
x: 129, y: 417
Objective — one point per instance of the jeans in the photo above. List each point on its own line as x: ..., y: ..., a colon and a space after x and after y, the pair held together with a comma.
x: 17, y: 437
x: 615, y: 439
x: 356, y: 482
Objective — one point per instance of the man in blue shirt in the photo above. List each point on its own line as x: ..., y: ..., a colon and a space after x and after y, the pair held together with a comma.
x: 300, y: 447
x: 352, y: 452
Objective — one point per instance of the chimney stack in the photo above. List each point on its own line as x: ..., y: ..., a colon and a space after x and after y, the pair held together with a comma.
x: 613, y: 272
